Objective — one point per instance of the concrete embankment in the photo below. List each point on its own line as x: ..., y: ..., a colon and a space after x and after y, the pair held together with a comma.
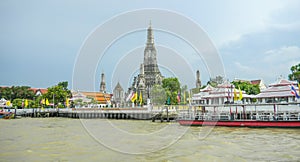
x: 103, y: 113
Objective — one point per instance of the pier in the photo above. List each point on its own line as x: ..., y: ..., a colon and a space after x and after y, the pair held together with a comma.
x: 278, y: 111
x: 101, y: 113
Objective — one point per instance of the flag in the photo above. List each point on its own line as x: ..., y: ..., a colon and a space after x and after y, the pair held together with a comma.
x: 67, y: 102
x: 168, y: 100
x: 190, y: 99
x: 294, y: 92
x: 141, y: 98
x: 241, y: 94
x: 23, y: 103
x: 234, y: 95
x: 26, y: 103
x: 178, y: 97
x: 228, y: 95
x: 47, y: 102
x: 299, y: 87
x: 134, y: 97
x: 129, y: 96
x: 184, y: 98
x: 8, y: 103
x: 43, y: 101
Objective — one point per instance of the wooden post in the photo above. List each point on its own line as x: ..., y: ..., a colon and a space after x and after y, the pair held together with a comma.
x: 274, y: 112
x: 168, y: 120
x: 244, y: 111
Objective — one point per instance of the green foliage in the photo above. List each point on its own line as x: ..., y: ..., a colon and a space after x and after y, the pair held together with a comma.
x: 78, y: 102
x: 195, y: 91
x: 158, y: 95
x: 11, y: 93
x: 171, y: 86
x: 93, y: 101
x: 17, y: 103
x: 18, y: 94
x: 59, y: 92
x: 184, y: 94
x: 295, y: 73
x: 247, y: 87
x: 37, y: 102
x: 215, y: 81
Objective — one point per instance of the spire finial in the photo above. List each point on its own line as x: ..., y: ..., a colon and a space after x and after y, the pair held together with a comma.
x: 150, y: 39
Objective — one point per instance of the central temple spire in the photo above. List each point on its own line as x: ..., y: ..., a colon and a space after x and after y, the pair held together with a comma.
x: 151, y: 70
x: 150, y: 37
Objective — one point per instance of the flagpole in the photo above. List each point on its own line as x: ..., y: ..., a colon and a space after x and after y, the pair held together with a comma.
x: 53, y: 100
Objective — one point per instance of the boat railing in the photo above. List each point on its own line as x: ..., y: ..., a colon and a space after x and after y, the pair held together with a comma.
x: 261, y: 116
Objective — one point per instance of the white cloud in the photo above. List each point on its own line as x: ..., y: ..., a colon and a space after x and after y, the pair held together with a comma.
x: 242, y: 67
x: 282, y: 55
x: 268, y: 66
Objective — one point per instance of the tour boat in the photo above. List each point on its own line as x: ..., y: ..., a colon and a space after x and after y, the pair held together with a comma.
x: 241, y: 123
x: 243, y: 118
x: 6, y: 115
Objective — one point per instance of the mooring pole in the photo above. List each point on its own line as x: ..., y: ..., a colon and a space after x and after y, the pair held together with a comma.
x: 168, y: 120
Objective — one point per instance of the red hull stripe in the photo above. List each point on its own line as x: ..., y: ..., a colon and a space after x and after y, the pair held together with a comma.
x: 250, y: 123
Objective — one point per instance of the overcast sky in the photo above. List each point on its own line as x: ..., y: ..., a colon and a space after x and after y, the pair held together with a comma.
x: 40, y: 39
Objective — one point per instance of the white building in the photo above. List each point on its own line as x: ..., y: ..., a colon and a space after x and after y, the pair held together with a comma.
x: 222, y: 94
x: 279, y: 91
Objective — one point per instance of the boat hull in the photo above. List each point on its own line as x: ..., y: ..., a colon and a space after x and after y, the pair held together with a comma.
x: 242, y: 123
x: 6, y: 115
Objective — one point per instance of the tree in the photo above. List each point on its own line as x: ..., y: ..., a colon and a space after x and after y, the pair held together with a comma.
x: 247, y: 87
x: 158, y: 95
x: 6, y: 92
x: 215, y: 81
x: 171, y: 84
x: 64, y: 85
x: 184, y: 94
x: 11, y: 93
x: 59, y: 92
x: 172, y: 87
x: 22, y: 92
x: 295, y: 73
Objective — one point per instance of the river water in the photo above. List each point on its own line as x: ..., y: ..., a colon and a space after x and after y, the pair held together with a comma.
x: 62, y: 139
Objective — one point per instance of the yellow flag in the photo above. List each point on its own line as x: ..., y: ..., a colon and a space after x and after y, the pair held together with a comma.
x: 134, y: 97
x: 67, y: 102
x: 299, y: 88
x: 43, y: 101
x: 190, y: 97
x: 241, y: 94
x: 8, y: 103
x: 234, y: 95
x: 141, y: 98
x: 47, y: 102
x: 26, y: 103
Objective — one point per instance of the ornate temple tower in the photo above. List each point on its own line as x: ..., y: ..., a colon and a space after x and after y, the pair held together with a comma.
x: 141, y: 83
x: 102, y: 84
x: 151, y: 71
x: 149, y: 74
x: 198, y: 81
x: 118, y: 94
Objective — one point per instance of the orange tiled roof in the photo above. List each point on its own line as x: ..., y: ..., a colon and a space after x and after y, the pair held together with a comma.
x: 42, y: 90
x: 98, y: 96
x: 255, y: 82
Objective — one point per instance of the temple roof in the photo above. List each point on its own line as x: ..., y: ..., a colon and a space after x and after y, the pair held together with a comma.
x: 118, y: 87
x: 283, y: 82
